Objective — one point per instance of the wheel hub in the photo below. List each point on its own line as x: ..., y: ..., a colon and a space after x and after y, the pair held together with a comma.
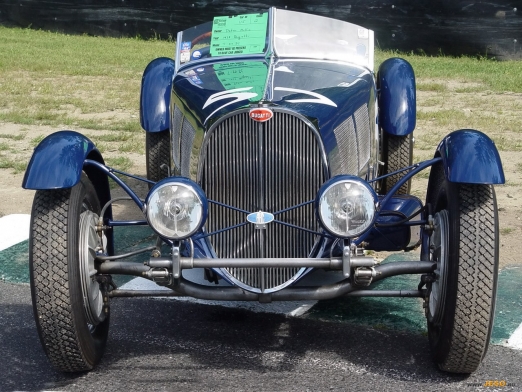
x: 89, y: 243
x: 439, y: 255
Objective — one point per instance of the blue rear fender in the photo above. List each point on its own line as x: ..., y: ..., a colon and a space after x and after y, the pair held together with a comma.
x: 470, y: 156
x: 396, y: 97
x: 156, y: 86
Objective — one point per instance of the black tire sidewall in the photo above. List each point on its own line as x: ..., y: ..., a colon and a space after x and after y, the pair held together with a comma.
x: 447, y: 197
x: 92, y: 343
x: 446, y: 339
x: 54, y: 249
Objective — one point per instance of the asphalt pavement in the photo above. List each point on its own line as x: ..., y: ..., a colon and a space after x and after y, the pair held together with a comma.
x: 168, y: 345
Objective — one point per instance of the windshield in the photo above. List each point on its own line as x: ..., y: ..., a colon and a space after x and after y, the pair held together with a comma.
x: 285, y: 34
x: 301, y: 35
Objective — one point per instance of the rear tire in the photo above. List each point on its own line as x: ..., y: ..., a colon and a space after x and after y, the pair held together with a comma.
x: 72, y: 321
x: 397, y: 154
x: 157, y: 151
x: 464, y: 245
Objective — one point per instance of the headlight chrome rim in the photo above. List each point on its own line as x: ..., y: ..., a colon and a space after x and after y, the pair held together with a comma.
x: 176, y: 208
x: 362, y: 205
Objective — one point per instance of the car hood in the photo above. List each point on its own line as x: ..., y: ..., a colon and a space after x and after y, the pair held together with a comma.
x: 320, y: 90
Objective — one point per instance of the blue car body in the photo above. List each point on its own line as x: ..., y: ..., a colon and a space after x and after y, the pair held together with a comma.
x: 329, y: 118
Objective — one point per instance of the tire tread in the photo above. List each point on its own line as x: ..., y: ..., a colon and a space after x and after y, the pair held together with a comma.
x: 398, y: 155
x: 53, y: 309
x: 477, y: 279
x: 158, y: 153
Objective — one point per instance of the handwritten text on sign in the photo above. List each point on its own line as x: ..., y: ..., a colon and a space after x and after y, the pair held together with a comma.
x: 238, y: 35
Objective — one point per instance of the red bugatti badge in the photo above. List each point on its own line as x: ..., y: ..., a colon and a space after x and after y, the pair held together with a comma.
x: 261, y: 114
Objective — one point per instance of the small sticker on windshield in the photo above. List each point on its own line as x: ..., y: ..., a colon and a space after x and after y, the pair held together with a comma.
x: 185, y: 52
x: 362, y: 33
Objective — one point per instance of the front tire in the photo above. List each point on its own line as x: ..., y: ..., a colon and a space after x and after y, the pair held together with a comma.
x: 68, y: 302
x: 464, y: 245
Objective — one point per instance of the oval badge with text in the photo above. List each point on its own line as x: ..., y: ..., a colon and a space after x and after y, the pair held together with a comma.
x: 261, y: 114
x: 260, y: 217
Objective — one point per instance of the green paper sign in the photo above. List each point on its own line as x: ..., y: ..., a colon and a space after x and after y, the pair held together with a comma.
x: 238, y: 35
x: 241, y: 74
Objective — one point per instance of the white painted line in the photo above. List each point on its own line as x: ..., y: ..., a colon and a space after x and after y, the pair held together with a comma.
x: 515, y: 341
x: 13, y: 229
x: 302, y: 309
x: 289, y: 308
x: 141, y: 284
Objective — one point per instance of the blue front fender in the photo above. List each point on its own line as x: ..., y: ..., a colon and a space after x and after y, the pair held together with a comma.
x: 470, y: 156
x: 156, y: 86
x: 57, y: 162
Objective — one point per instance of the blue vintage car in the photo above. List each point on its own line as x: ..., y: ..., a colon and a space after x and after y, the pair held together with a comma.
x: 275, y: 153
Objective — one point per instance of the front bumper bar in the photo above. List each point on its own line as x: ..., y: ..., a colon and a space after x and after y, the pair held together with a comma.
x: 183, y: 287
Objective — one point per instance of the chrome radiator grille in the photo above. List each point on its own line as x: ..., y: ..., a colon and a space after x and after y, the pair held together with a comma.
x: 268, y: 167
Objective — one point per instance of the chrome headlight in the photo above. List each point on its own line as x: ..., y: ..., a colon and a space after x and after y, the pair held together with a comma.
x: 346, y: 206
x: 176, y: 208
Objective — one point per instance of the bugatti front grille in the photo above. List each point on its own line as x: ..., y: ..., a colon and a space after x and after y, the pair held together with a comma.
x: 268, y: 167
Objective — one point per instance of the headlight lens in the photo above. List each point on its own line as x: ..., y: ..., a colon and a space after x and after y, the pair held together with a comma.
x: 175, y: 209
x: 346, y: 206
